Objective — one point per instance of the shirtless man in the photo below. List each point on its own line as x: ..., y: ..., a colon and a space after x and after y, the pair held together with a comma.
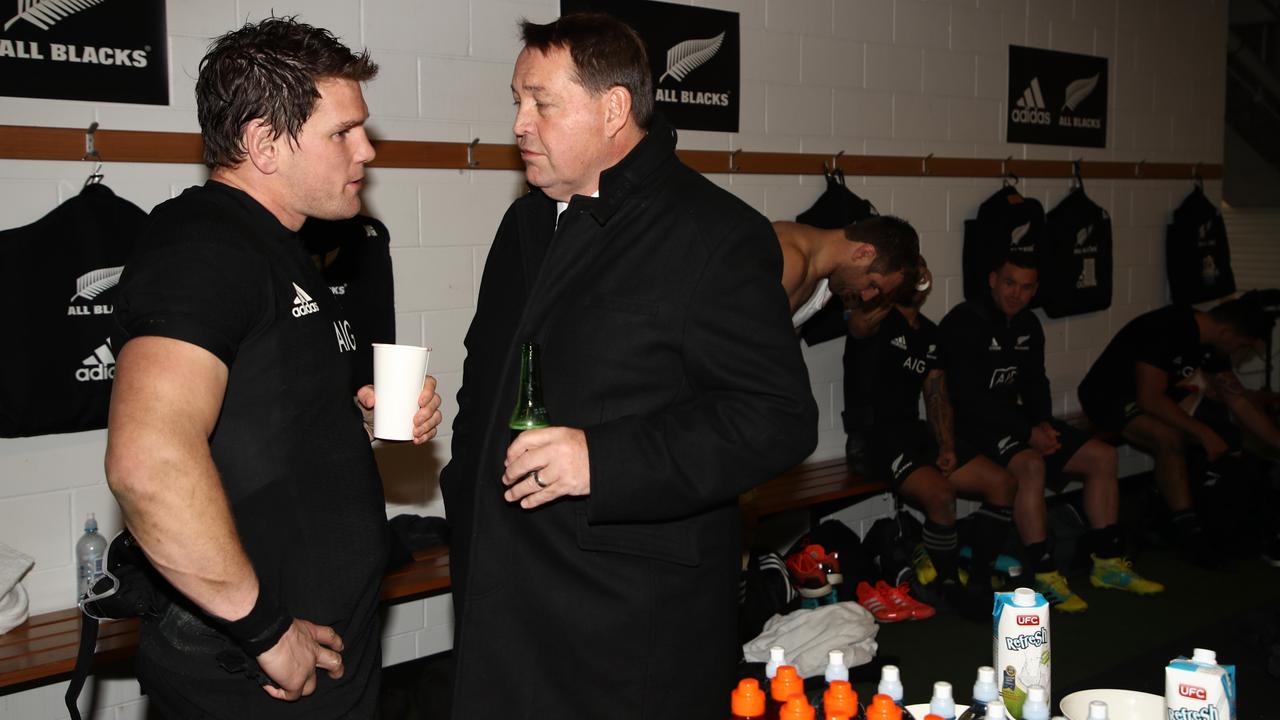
x: 866, y: 259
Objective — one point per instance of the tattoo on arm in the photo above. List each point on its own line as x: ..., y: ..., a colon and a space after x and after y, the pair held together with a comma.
x: 938, y: 408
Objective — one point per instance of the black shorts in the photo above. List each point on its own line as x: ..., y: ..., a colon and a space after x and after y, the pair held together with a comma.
x: 1109, y: 414
x: 898, y: 450
x: 1002, y: 446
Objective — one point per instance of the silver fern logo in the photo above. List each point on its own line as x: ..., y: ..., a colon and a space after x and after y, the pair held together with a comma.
x: 92, y: 284
x: 1078, y: 90
x: 44, y: 14
x: 685, y: 57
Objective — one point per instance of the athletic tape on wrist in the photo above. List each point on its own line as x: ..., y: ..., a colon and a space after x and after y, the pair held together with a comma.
x: 262, y: 628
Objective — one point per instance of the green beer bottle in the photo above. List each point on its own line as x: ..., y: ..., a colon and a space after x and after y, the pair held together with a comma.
x: 529, y: 412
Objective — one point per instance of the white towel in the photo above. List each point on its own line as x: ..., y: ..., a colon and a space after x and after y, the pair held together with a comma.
x: 808, y: 635
x: 13, y: 597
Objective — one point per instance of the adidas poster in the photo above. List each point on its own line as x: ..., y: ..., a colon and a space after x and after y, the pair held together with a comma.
x: 695, y: 56
x: 1056, y: 98
x: 108, y: 50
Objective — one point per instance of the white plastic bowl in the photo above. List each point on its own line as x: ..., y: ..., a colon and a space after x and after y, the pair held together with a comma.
x: 1121, y: 704
x: 919, y: 710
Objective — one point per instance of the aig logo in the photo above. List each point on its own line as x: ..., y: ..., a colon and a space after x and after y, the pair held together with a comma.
x: 1003, y: 376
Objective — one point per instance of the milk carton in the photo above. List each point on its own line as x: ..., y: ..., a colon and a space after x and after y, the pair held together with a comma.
x: 1020, y: 624
x: 1199, y: 688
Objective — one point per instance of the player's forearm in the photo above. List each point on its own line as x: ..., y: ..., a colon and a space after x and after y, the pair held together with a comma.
x: 175, y: 506
x: 1254, y: 420
x: 1164, y: 409
x: 938, y: 409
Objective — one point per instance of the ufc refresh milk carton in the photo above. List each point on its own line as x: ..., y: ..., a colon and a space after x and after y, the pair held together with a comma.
x: 1020, y: 623
x: 1199, y: 688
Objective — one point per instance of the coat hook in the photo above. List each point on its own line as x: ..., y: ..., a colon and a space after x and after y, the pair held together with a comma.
x: 91, y: 150
x: 924, y: 164
x: 1137, y: 168
x: 471, y: 153
x: 733, y: 160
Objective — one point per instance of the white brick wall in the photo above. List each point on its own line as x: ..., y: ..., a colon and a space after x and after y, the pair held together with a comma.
x: 862, y: 76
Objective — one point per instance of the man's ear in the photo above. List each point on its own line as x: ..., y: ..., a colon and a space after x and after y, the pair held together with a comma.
x: 864, y: 254
x: 991, y: 279
x: 262, y: 147
x: 617, y: 109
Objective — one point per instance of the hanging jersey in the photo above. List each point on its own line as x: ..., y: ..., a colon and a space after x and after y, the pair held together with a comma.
x: 1197, y: 257
x: 1006, y: 223
x: 1076, y: 277
x: 61, y: 271
x: 820, y: 297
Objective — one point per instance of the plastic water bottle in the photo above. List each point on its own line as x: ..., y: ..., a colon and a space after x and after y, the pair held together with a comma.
x: 90, y: 549
x: 995, y: 710
x: 942, y: 704
x: 1098, y: 710
x: 891, y: 685
x: 777, y: 658
x: 984, y: 692
x: 1036, y: 706
x: 835, y: 666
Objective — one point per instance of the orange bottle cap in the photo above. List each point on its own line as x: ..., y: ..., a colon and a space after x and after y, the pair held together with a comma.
x: 796, y: 708
x: 786, y: 683
x: 747, y: 700
x: 931, y: 716
x: 882, y: 708
x: 840, y: 698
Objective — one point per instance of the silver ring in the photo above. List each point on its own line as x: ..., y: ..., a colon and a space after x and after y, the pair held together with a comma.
x: 538, y: 480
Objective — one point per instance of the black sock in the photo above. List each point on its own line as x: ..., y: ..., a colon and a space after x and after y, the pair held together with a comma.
x: 991, y: 526
x: 1187, y: 524
x: 1039, y: 557
x: 1105, y: 542
x: 940, y: 543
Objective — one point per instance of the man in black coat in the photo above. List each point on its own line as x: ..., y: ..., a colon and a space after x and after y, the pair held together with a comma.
x: 595, y: 562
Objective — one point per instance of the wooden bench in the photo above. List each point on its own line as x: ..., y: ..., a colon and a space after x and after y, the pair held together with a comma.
x: 43, y: 650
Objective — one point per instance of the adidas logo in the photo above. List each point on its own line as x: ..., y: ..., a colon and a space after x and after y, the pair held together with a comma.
x: 994, y: 345
x: 899, y: 342
x: 370, y: 231
x: 1030, y: 108
x: 101, y: 365
x: 302, y: 302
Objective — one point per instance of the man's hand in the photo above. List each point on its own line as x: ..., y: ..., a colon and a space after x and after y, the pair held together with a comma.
x: 545, y: 464
x: 946, y: 461
x: 1044, y: 439
x: 1214, y: 446
x: 292, y: 662
x: 425, y: 421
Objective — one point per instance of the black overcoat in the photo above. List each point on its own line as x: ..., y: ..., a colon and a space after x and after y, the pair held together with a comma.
x: 666, y: 337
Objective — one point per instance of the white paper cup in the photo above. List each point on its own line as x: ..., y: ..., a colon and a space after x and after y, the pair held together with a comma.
x: 398, y: 374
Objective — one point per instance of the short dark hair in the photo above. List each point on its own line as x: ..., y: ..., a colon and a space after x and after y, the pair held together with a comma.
x: 1245, y: 316
x: 267, y: 70
x: 605, y: 52
x: 896, y: 243
x: 911, y: 274
x: 1018, y: 257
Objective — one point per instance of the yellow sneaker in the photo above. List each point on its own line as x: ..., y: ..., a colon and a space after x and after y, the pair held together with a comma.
x: 925, y: 570
x: 1117, y: 574
x: 1054, y: 588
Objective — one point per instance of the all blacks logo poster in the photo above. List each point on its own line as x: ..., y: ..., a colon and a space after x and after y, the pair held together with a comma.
x: 694, y: 53
x: 1056, y: 98
x: 107, y: 50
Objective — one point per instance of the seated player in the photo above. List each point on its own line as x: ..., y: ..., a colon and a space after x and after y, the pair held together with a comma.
x: 1134, y: 386
x: 863, y: 260
x: 1001, y: 395
x: 899, y: 355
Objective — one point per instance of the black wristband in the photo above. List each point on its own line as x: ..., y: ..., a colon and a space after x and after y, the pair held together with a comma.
x: 262, y: 628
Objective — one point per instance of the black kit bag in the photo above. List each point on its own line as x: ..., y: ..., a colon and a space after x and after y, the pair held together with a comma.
x: 62, y: 271
x: 1076, y: 276
x: 1006, y: 223
x: 836, y: 208
x: 1197, y: 257
x: 354, y: 256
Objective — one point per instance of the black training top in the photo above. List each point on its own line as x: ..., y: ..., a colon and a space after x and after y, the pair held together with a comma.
x: 996, y: 372
x: 890, y: 370
x: 214, y: 268
x: 1167, y: 339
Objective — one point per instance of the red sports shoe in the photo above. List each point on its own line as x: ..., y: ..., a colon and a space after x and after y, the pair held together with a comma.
x: 900, y: 598
x: 882, y: 609
x: 807, y: 574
